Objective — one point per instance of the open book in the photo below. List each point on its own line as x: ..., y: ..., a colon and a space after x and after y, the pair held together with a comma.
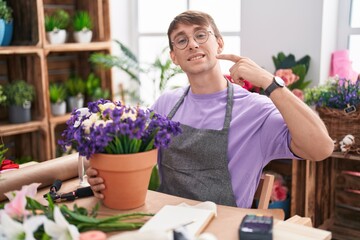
x: 171, y: 217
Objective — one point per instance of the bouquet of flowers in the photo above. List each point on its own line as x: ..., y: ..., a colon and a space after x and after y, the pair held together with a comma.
x: 110, y: 127
x: 337, y: 93
x: 293, y: 72
x: 25, y: 218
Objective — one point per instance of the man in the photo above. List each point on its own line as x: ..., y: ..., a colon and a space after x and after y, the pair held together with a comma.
x: 229, y: 134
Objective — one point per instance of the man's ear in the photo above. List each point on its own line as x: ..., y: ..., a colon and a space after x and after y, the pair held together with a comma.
x: 173, y: 57
x: 220, y: 42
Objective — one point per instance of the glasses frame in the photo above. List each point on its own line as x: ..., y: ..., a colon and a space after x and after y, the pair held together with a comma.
x: 208, y: 33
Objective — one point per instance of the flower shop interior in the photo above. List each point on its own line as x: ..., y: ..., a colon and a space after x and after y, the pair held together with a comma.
x: 58, y: 55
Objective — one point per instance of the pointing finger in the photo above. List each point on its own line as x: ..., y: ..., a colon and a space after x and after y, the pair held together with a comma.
x: 230, y: 57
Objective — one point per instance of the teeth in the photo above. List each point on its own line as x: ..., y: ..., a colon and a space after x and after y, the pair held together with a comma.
x: 196, y: 58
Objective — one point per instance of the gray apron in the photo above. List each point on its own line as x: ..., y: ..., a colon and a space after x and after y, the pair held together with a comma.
x: 195, y: 165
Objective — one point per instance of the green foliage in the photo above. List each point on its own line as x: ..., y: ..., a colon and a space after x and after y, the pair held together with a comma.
x: 57, y: 92
x: 60, y: 19
x: 154, y: 179
x: 82, y: 21
x: 299, y: 68
x: 19, y: 92
x: 127, y: 61
x: 166, y: 69
x: 2, y: 95
x: 84, y: 220
x: 75, y: 86
x: 5, y: 11
x: 3, y: 150
x: 93, y: 88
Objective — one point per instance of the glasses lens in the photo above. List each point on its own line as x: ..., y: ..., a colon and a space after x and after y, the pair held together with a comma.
x: 181, y: 41
x: 201, y: 36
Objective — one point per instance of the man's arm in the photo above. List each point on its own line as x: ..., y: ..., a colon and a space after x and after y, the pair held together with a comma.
x: 310, y: 139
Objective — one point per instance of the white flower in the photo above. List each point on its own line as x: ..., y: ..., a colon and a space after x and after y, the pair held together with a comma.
x: 60, y: 229
x: 11, y: 229
x: 131, y: 113
x: 107, y: 105
x: 83, y: 112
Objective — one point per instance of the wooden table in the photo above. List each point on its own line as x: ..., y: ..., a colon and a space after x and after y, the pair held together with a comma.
x: 224, y: 226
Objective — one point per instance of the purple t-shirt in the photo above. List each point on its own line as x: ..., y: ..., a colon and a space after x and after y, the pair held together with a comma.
x: 257, y: 135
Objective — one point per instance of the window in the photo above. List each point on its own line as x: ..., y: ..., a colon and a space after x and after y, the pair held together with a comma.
x: 349, y: 30
x: 153, y: 19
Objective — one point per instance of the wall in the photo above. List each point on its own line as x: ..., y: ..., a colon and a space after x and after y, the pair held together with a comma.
x: 292, y: 26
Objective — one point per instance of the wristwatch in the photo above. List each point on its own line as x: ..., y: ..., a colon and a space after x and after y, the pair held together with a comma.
x: 277, y: 82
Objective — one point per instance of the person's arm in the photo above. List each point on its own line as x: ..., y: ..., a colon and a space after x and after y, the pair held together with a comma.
x: 310, y: 139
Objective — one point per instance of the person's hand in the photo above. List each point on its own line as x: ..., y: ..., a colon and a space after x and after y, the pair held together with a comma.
x: 96, y: 182
x: 245, y: 68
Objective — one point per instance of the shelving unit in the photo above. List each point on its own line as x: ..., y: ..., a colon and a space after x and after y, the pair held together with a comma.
x: 31, y: 58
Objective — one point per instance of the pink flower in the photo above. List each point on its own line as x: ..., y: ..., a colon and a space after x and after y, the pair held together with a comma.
x: 279, y: 191
x: 299, y: 93
x: 287, y: 75
x: 16, y: 207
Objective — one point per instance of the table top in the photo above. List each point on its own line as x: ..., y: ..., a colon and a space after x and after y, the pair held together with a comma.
x: 224, y: 226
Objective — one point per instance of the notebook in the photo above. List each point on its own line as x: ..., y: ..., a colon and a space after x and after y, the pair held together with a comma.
x: 170, y: 217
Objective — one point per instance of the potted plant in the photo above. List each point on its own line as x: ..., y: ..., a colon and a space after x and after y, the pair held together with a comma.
x: 121, y: 143
x: 57, y: 92
x: 6, y: 24
x: 338, y: 105
x: 82, y: 24
x: 55, y: 26
x: 293, y: 72
x: 94, y: 90
x: 19, y: 95
x: 75, y: 88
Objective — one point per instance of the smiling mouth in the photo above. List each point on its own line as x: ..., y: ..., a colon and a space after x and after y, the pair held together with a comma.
x: 196, y: 57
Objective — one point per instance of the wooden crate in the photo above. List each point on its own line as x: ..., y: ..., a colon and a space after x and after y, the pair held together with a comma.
x: 33, y: 145
x: 24, y: 67
x: 27, y: 19
x: 98, y: 10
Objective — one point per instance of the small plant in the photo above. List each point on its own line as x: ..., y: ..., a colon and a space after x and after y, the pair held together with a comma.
x: 2, y: 95
x: 19, y: 93
x: 93, y: 88
x: 60, y: 19
x: 82, y: 21
x: 57, y: 92
x: 5, y: 11
x: 75, y: 86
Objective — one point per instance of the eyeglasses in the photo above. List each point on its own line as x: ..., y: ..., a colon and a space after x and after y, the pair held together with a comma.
x: 200, y: 36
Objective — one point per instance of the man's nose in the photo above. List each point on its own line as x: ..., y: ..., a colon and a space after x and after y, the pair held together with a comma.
x: 192, y: 43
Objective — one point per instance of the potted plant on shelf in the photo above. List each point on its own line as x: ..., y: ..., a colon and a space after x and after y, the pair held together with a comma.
x: 6, y: 24
x: 75, y: 88
x: 55, y: 26
x: 93, y: 88
x: 57, y: 92
x: 338, y: 105
x: 82, y: 24
x: 19, y: 95
x: 121, y: 143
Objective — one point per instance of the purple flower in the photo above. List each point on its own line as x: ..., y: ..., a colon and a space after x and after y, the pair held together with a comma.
x: 110, y: 127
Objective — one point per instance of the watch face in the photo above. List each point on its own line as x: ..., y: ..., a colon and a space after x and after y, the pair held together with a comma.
x: 279, y: 81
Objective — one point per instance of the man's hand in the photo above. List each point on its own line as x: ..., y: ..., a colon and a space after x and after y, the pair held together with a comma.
x: 245, y: 68
x: 96, y: 183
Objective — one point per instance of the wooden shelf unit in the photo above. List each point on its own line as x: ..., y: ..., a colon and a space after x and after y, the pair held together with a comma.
x: 325, y: 191
x: 31, y: 58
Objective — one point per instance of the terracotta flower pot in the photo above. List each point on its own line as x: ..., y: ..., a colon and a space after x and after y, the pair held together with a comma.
x: 126, y: 177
